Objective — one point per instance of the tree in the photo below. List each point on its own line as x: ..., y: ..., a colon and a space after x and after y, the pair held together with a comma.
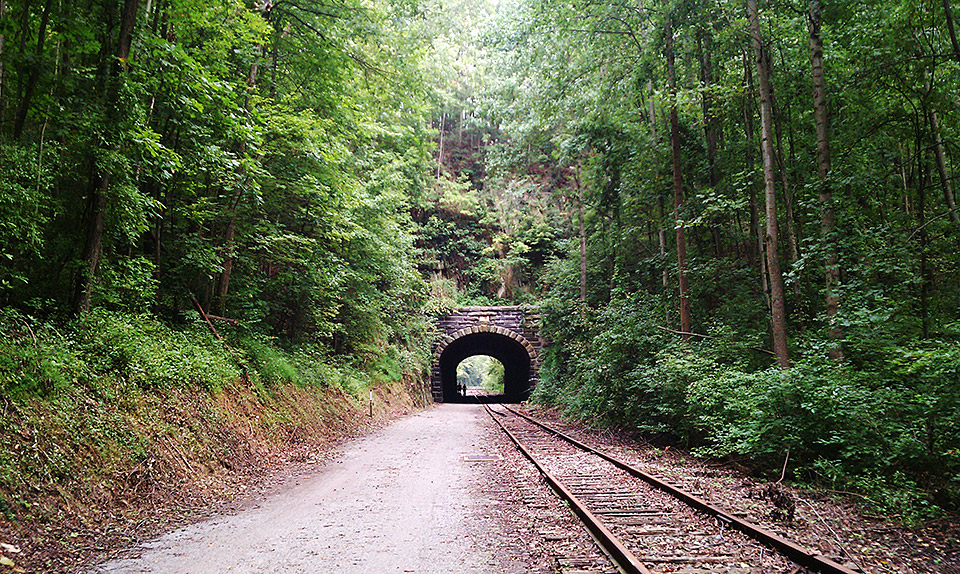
x: 100, y: 182
x: 778, y: 312
x: 685, y: 324
x: 827, y: 219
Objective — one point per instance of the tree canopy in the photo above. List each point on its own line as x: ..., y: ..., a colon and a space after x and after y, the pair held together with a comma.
x: 256, y: 157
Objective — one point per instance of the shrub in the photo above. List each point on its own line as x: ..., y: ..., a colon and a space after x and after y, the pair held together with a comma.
x: 887, y: 427
x: 271, y: 365
x: 34, y: 364
x: 148, y: 354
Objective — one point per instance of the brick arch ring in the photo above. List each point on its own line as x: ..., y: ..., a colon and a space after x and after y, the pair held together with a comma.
x: 446, y: 340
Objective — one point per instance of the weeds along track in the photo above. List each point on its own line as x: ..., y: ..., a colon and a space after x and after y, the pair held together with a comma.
x: 645, y: 524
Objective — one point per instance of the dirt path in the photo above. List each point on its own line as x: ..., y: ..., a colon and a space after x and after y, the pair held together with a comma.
x: 401, y: 500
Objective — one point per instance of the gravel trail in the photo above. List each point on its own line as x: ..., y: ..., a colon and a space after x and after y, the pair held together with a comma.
x: 404, y: 499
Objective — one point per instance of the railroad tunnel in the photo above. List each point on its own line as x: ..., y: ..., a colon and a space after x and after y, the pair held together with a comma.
x: 510, y: 351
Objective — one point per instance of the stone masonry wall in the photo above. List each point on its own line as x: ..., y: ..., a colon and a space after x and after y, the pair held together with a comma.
x: 524, y: 321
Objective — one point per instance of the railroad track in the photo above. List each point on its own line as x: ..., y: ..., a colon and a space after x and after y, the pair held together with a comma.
x: 645, y: 524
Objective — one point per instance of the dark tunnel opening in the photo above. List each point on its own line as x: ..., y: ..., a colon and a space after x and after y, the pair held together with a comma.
x: 510, y: 353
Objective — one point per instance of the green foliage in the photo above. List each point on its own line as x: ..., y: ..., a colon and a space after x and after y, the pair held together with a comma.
x: 25, y: 210
x: 481, y: 371
x: 34, y: 360
x: 148, y: 354
x: 55, y: 441
x: 112, y: 350
x: 580, y: 99
x: 129, y: 284
x: 352, y: 381
x: 135, y: 349
x: 849, y: 427
x: 272, y: 368
x: 326, y: 173
x: 457, y: 197
x: 888, y: 429
x: 245, y: 160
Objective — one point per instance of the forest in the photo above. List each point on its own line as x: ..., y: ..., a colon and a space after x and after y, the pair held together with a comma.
x: 740, y: 223
x: 206, y: 247
x: 737, y: 216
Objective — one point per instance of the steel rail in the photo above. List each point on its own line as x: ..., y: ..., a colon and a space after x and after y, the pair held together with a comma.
x: 800, y: 555
x: 625, y: 560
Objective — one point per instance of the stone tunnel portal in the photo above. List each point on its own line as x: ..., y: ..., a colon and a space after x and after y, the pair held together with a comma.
x: 510, y: 352
x: 509, y: 334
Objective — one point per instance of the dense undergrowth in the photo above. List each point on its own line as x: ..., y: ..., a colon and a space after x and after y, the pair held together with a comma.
x: 112, y: 419
x: 101, y: 349
x: 883, y: 424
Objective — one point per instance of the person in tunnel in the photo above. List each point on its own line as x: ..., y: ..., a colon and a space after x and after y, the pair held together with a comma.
x: 508, y: 351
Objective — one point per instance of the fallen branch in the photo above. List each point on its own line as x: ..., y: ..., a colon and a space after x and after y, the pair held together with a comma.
x: 684, y: 333
x: 29, y: 330
x: 941, y: 216
x: 784, y: 472
x: 206, y: 318
x: 702, y: 336
x: 227, y: 320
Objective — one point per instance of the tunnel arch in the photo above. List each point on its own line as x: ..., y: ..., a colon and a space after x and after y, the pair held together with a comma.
x: 515, y: 352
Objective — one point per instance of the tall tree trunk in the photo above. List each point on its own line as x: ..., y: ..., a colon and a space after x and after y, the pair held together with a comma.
x: 661, y: 208
x: 827, y: 220
x: 662, y: 240
x: 3, y: 13
x: 617, y: 242
x: 662, y: 227
x: 948, y: 14
x: 924, y: 240
x: 777, y: 304
x: 27, y: 96
x: 275, y: 62
x: 941, y: 160
x: 229, y: 237
x: 755, y: 240
x: 443, y: 119
x: 904, y: 179
x: 229, y: 244
x: 793, y: 250
x: 685, y: 322
x: 97, y: 204
x: 22, y: 47
x: 583, y: 238
x: 710, y: 130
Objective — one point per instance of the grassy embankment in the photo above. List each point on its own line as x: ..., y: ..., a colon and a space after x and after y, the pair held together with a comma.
x: 117, y: 426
